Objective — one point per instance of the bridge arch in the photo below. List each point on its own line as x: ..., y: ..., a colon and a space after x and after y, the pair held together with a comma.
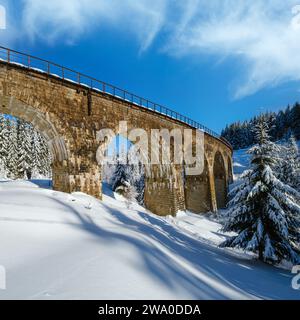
x: 44, y: 125
x: 220, y: 180
x: 40, y: 121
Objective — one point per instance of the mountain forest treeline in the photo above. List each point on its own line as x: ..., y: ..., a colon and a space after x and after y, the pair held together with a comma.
x: 240, y: 134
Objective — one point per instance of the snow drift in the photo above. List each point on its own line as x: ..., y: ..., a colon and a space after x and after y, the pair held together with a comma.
x: 59, y: 246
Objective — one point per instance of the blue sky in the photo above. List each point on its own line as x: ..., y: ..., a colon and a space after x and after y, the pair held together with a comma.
x: 215, y: 61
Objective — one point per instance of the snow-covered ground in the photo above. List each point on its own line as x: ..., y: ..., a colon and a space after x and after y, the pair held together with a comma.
x: 60, y: 246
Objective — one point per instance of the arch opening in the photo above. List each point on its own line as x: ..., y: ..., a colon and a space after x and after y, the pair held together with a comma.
x: 40, y: 121
x: 124, y: 172
x: 220, y: 180
x: 24, y: 152
x: 43, y: 127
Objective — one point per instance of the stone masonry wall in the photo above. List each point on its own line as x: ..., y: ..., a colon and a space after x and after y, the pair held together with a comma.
x: 69, y: 116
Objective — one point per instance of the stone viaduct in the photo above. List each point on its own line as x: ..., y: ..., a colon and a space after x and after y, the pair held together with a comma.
x: 69, y: 108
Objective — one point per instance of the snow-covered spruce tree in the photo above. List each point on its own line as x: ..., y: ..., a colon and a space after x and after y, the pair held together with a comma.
x: 264, y: 212
x: 139, y: 183
x: 29, y: 160
x: 33, y: 171
x: 3, y: 145
x: 12, y: 149
x: 40, y: 155
x: 127, y: 175
x: 35, y: 146
x: 119, y: 177
x: 43, y: 156
x: 23, y: 149
x: 136, y: 174
x: 121, y: 182
x: 5, y: 135
x: 289, y: 165
x: 3, y: 170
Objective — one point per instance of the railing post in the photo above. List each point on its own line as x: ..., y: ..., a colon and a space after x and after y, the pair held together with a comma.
x: 48, y: 68
x: 78, y: 77
x: 8, y: 55
x: 63, y: 73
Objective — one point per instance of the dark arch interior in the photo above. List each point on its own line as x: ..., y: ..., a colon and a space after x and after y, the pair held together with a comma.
x: 220, y: 180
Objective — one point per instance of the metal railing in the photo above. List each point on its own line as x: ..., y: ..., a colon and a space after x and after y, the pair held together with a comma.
x: 50, y: 68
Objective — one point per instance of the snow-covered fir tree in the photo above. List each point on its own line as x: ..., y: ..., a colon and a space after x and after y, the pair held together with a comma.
x: 126, y: 175
x: 3, y: 145
x: 29, y: 151
x: 289, y: 165
x: 263, y: 211
x: 35, y: 156
x: 3, y: 170
x: 119, y: 177
x: 23, y: 151
x: 43, y: 163
x: 12, y: 149
x: 136, y: 174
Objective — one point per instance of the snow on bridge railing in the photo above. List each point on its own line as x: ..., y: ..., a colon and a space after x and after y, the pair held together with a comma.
x: 55, y: 70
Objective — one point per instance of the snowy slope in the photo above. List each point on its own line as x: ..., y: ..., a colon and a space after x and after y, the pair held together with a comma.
x: 60, y: 246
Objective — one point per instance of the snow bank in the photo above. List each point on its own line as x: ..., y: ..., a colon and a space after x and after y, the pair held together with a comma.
x: 61, y: 246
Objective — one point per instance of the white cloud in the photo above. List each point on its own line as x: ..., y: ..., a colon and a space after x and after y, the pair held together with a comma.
x: 263, y: 36
x: 71, y: 19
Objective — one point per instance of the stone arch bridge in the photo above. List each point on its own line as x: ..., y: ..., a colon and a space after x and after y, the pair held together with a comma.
x: 68, y: 108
